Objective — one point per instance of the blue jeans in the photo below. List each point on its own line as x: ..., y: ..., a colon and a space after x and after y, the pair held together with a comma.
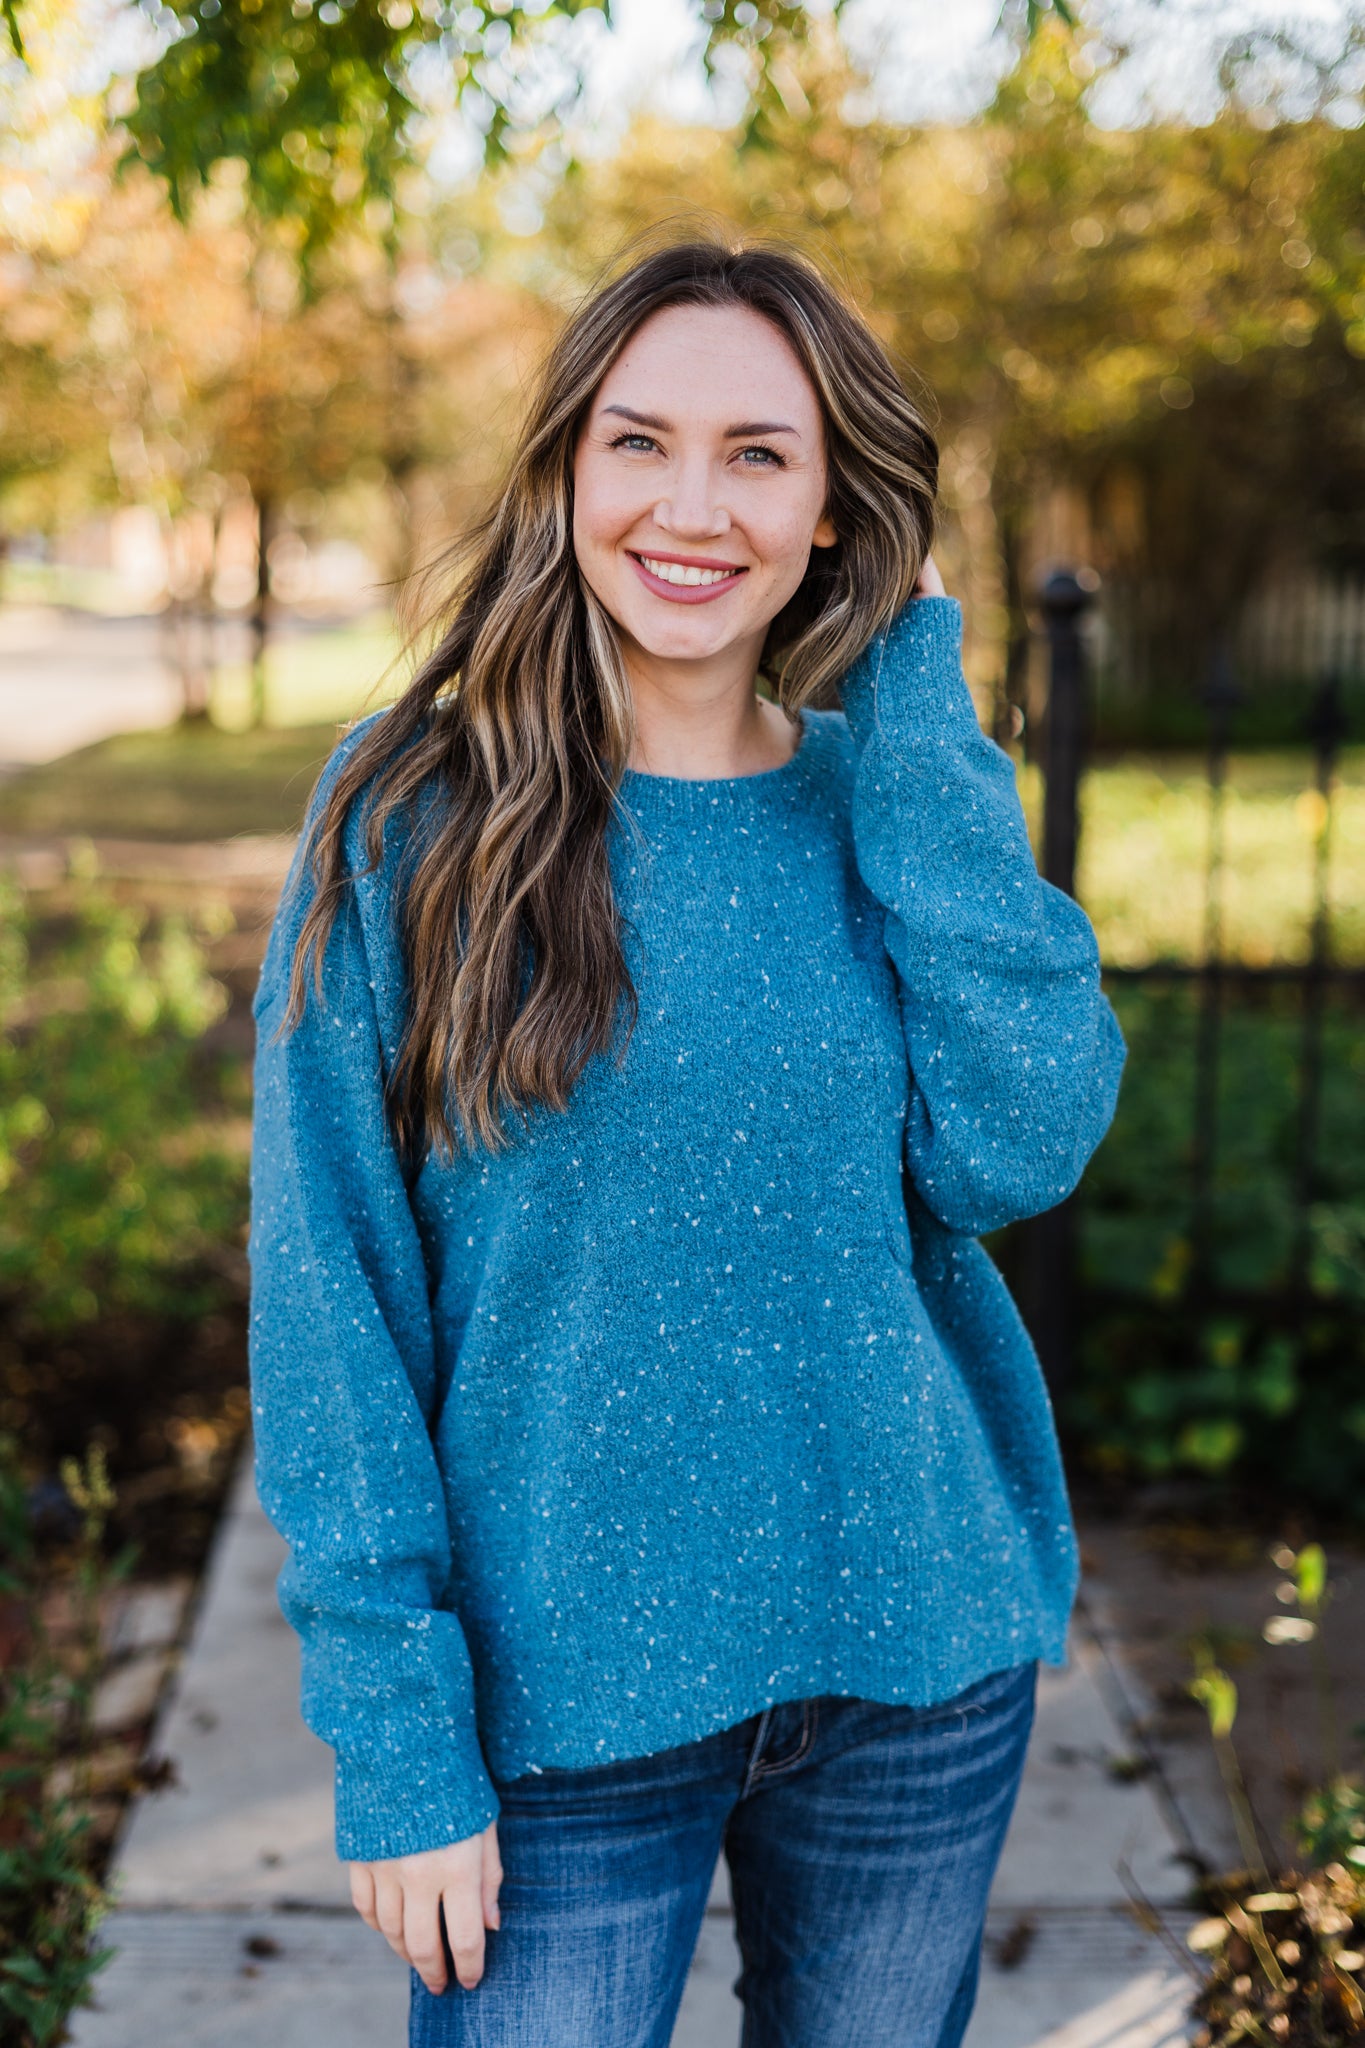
x: 861, y: 1839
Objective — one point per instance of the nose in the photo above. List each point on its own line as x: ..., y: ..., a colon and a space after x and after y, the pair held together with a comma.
x: 693, y: 508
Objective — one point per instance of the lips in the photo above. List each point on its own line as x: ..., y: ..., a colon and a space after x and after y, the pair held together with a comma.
x: 708, y: 577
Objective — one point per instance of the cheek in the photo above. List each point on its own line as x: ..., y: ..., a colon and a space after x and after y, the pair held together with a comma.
x: 787, y: 511
x: 596, y: 526
x: 786, y: 532
x: 604, y: 507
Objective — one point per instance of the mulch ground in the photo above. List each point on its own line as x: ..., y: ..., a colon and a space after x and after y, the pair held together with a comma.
x: 164, y: 1397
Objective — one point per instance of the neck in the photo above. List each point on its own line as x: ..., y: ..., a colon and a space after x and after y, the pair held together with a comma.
x: 697, y: 720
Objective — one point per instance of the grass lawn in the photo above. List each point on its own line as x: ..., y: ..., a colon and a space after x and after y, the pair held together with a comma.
x: 313, y: 676
x: 214, y: 780
x: 1144, y: 849
x: 185, y: 783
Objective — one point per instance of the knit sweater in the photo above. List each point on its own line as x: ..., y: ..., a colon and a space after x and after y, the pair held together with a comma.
x: 702, y: 1395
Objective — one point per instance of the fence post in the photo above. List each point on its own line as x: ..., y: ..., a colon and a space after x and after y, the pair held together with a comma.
x: 1327, y: 726
x: 1064, y: 600
x: 1050, y: 1240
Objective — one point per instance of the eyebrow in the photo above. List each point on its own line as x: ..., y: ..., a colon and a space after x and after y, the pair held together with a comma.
x: 650, y: 419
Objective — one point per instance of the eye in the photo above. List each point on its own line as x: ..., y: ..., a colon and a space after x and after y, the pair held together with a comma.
x: 775, y: 459
x: 621, y: 440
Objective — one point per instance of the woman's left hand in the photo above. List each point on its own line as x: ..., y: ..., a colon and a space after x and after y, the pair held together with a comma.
x: 930, y: 582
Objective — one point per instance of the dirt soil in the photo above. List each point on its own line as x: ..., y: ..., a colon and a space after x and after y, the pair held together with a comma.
x: 166, y: 1400
x: 165, y: 1397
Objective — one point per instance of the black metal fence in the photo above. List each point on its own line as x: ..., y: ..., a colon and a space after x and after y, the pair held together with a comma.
x: 1291, y: 632
x: 1060, y: 1290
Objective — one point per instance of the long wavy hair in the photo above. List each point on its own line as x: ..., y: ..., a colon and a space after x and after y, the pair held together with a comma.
x: 516, y: 729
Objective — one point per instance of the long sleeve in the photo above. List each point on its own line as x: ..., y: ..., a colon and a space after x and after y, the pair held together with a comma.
x: 1014, y: 1052
x: 344, y: 1389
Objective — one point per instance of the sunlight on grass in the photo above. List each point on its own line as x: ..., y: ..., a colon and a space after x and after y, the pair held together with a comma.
x: 1144, y: 851
x: 182, y: 783
x: 316, y: 678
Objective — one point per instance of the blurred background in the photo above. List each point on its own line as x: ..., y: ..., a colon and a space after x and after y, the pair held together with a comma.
x: 272, y: 277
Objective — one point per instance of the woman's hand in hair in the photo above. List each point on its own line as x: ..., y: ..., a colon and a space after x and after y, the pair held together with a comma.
x: 402, y: 1898
x: 930, y: 582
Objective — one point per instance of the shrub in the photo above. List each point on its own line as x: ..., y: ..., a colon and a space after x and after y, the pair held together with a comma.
x: 117, y: 1180
x: 1242, y: 1376
x: 51, y: 1901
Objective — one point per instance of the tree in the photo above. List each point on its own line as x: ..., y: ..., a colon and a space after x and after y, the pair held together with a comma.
x: 205, y: 366
x: 325, y: 104
x: 54, y: 460
x: 1181, y: 304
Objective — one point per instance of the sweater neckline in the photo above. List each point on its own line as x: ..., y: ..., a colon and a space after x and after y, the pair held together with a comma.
x: 638, y: 780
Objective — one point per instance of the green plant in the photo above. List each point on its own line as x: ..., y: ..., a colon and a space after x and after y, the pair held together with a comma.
x: 1330, y: 1826
x: 1287, y: 1954
x: 51, y: 1901
x: 1305, y: 1586
x: 1217, y: 1695
x: 117, y: 1185
x: 1285, y: 1963
x: 1239, y: 1378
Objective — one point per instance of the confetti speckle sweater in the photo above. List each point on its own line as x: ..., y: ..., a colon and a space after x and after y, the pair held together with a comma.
x: 703, y: 1396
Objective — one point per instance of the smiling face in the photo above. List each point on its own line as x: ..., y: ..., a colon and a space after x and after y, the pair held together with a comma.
x: 699, y: 484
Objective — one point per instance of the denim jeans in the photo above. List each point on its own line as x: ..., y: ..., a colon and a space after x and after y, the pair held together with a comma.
x: 861, y: 1840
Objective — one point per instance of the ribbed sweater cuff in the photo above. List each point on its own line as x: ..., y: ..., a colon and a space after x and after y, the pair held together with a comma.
x: 410, y: 1805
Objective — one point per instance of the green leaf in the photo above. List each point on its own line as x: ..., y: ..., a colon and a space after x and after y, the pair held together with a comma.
x: 314, y: 103
x: 1210, y: 1446
x: 27, y: 1969
x: 1217, y: 1695
x: 1310, y: 1575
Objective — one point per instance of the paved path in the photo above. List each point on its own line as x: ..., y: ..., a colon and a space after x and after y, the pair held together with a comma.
x: 234, y: 1927
x: 68, y: 679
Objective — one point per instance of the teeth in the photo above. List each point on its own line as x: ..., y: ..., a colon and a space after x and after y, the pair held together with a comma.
x: 675, y: 572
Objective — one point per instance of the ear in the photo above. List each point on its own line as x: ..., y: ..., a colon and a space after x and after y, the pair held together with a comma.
x: 824, y: 535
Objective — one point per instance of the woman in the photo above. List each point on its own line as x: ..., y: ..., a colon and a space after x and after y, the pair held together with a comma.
x: 664, y: 1466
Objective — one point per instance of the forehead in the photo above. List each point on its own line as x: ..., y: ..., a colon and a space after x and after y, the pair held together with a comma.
x: 714, y: 360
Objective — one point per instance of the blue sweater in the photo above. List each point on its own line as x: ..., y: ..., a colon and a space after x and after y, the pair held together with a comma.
x: 702, y: 1396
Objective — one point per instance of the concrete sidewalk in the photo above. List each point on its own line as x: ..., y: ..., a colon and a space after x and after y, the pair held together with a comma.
x: 234, y: 1925
x: 68, y: 679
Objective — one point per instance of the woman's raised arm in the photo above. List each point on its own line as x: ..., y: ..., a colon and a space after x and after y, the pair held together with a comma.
x: 1015, y: 1053
x: 343, y: 1392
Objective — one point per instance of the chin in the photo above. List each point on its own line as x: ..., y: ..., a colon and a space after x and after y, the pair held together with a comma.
x: 687, y: 645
